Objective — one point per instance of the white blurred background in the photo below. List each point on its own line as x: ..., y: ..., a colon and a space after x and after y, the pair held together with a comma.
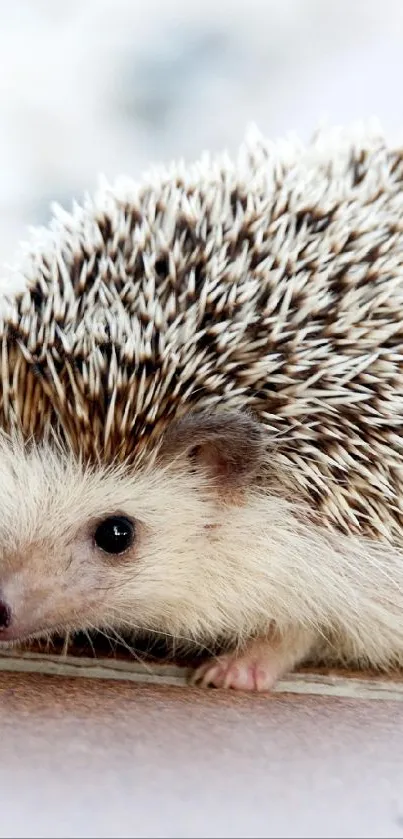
x: 89, y: 86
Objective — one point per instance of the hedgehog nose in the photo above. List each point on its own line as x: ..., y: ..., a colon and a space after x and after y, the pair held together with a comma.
x: 5, y: 615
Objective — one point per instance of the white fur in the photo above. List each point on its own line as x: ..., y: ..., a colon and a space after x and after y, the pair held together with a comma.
x: 201, y: 568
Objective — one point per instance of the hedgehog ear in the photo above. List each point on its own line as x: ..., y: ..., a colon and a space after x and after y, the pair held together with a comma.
x: 229, y: 445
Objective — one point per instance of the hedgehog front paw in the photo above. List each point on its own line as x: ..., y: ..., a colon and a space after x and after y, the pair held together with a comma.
x: 245, y: 672
x: 258, y: 667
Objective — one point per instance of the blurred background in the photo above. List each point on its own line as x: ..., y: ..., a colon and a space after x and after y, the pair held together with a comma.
x: 89, y: 86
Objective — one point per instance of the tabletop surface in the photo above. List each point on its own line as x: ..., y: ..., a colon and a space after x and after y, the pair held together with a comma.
x: 86, y: 757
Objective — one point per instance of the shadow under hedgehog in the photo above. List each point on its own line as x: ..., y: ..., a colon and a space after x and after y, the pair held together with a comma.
x: 201, y: 409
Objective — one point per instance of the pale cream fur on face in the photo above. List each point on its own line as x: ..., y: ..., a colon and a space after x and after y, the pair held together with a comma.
x: 201, y: 567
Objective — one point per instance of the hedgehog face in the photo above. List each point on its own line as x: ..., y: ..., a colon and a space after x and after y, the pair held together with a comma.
x: 134, y: 549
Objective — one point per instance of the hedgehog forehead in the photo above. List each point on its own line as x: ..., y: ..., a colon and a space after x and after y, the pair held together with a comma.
x: 46, y: 494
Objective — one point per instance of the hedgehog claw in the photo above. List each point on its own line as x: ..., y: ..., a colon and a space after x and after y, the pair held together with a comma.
x: 245, y: 672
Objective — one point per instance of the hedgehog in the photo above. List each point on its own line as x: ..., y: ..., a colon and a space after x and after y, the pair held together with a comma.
x: 201, y: 411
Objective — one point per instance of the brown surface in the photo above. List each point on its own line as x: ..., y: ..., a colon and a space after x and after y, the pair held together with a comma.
x: 85, y: 758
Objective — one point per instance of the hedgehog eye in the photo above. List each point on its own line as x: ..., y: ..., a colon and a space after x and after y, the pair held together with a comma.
x: 115, y: 535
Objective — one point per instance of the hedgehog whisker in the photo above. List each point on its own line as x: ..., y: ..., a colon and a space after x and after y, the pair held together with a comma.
x: 131, y: 626
x: 66, y: 643
x: 90, y: 641
x: 122, y: 642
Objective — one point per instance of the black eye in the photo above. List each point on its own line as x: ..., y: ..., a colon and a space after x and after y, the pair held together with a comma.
x: 115, y: 534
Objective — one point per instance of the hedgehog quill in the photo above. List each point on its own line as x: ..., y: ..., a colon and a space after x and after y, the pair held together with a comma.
x: 201, y: 409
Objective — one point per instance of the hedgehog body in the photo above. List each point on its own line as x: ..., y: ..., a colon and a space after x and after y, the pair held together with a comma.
x: 245, y: 318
